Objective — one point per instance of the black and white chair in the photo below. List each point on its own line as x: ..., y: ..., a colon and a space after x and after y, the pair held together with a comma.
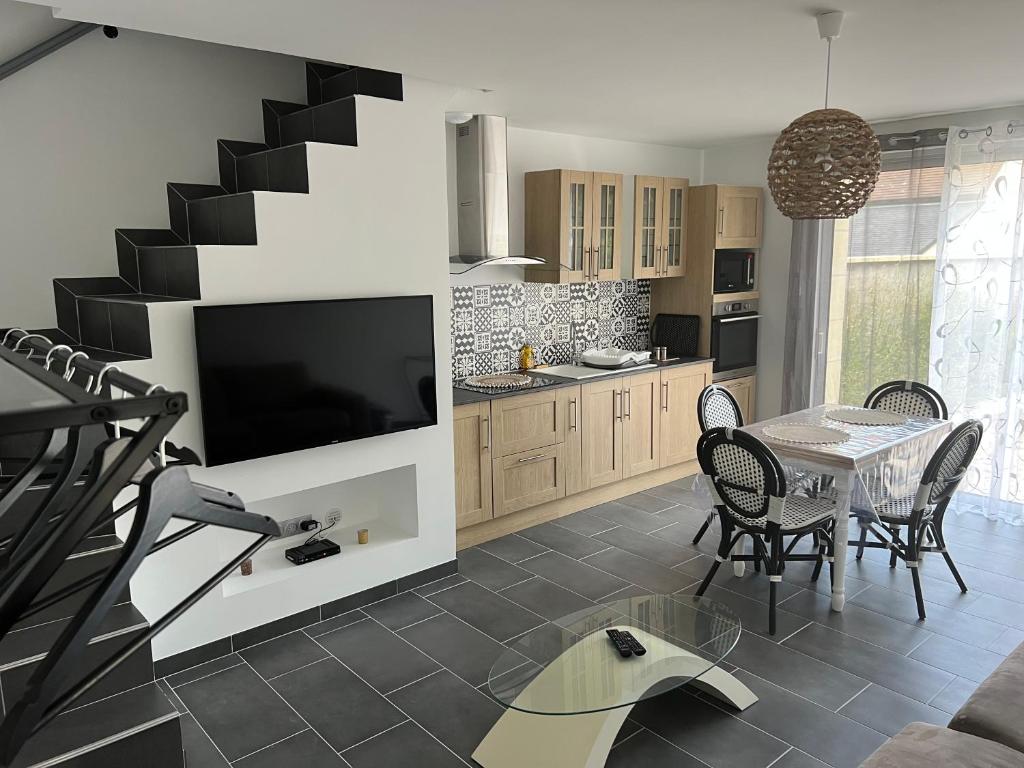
x: 750, y: 489
x: 923, y: 512
x: 910, y: 398
x: 716, y: 407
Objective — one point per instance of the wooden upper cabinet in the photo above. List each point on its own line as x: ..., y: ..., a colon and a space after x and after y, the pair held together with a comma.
x: 659, y: 226
x: 574, y: 222
x: 472, y: 432
x: 740, y: 217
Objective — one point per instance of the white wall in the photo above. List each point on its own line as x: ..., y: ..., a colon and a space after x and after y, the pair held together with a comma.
x: 530, y: 150
x: 90, y: 135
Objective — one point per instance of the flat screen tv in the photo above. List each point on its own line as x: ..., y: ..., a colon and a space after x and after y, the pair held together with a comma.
x: 286, y: 376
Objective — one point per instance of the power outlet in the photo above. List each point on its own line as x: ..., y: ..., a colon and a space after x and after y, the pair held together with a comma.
x: 333, y: 516
x: 291, y: 527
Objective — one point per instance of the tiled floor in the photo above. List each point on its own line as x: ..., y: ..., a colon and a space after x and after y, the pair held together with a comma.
x: 402, y: 682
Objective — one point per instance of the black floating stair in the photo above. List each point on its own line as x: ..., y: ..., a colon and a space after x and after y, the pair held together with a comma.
x: 327, y: 82
x: 333, y: 122
x: 178, y: 197
x: 128, y: 242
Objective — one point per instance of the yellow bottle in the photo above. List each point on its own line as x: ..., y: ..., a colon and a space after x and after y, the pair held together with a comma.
x: 526, y: 358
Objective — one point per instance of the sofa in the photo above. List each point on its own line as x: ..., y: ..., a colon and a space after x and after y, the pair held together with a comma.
x: 987, y: 732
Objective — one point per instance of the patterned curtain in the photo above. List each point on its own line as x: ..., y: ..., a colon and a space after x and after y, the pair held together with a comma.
x: 977, y: 325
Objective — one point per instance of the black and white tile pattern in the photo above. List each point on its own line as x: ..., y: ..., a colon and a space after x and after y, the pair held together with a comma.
x: 401, y: 683
x: 490, y: 323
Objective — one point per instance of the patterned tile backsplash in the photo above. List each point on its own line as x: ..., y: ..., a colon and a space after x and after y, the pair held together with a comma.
x: 490, y: 323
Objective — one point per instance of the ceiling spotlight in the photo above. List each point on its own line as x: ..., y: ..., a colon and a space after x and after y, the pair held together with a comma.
x: 458, y: 118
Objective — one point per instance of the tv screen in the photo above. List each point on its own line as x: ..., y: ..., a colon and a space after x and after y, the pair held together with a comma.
x: 285, y: 376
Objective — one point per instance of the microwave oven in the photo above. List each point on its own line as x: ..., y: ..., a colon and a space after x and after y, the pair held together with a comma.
x: 734, y: 271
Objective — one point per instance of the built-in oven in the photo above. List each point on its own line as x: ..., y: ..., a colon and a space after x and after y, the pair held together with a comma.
x: 734, y: 271
x: 734, y: 338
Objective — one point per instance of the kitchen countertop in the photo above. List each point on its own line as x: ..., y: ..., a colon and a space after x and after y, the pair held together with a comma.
x: 466, y: 397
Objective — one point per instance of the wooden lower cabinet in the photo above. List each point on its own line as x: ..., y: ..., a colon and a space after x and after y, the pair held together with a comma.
x: 573, y: 442
x: 527, y: 479
x: 525, y: 422
x: 472, y: 433
x: 680, y: 388
x: 601, y: 411
x: 743, y: 389
x: 641, y: 423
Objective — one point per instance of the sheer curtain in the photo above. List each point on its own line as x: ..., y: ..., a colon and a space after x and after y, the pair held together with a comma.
x: 977, y: 324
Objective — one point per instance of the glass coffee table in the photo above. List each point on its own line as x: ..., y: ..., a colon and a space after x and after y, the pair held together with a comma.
x: 568, y: 691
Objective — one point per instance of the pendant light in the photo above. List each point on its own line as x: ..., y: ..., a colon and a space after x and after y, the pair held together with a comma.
x: 825, y: 164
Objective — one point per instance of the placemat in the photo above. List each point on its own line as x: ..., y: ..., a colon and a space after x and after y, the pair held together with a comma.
x: 499, y: 381
x: 866, y: 417
x: 809, y: 434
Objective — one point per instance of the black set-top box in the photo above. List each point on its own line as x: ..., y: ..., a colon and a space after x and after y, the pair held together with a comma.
x: 316, y: 550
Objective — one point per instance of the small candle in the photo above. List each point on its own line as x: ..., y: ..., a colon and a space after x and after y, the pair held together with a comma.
x: 363, y: 535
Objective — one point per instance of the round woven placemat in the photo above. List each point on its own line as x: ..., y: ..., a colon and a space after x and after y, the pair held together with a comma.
x: 809, y: 434
x: 866, y: 417
x: 499, y: 381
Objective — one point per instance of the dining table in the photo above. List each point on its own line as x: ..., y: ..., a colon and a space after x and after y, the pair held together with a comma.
x: 865, y: 464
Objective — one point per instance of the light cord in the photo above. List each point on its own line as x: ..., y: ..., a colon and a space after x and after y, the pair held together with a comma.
x: 828, y: 69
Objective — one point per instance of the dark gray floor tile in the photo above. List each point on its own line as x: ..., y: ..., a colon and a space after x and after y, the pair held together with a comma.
x: 648, y: 547
x: 630, y: 517
x: 456, y: 645
x: 898, y: 673
x: 456, y: 713
x: 305, y: 749
x: 407, y: 746
x: 546, y: 599
x: 706, y: 732
x: 821, y: 683
x: 575, y: 575
x: 563, y: 540
x: 199, y: 750
x: 837, y: 740
x: 204, y: 670
x: 888, y: 712
x: 679, y: 492
x: 954, y: 695
x: 1007, y: 641
x: 629, y: 728
x: 336, y: 623
x: 377, y: 655
x: 492, y: 614
x: 637, y: 570
x: 583, y: 524
x: 487, y: 570
x: 632, y: 590
x: 282, y: 654
x: 172, y: 697
x: 896, y: 636
x: 956, y: 657
x: 900, y: 580
x: 341, y: 708
x: 752, y: 613
x: 512, y: 548
x: 682, y: 535
x: 799, y: 575
x: 645, y: 750
x: 754, y: 585
x: 441, y: 584
x: 797, y: 759
x: 239, y: 711
x: 646, y: 502
x: 402, y: 610
x: 996, y: 609
x: 982, y: 558
x: 542, y: 645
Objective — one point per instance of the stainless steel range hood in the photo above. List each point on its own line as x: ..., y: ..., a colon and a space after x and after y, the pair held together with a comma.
x: 481, y: 181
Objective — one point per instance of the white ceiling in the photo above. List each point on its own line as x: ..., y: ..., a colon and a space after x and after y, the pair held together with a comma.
x: 23, y: 26
x: 683, y: 72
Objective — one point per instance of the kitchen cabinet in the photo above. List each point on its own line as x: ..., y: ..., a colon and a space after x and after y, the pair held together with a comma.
x: 743, y: 389
x: 740, y: 217
x: 573, y: 221
x: 525, y: 422
x: 601, y: 409
x: 472, y: 433
x: 680, y: 388
x: 527, y: 479
x: 641, y: 423
x: 659, y: 226
x: 573, y: 443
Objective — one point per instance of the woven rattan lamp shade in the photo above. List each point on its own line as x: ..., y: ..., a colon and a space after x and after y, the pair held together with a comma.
x: 824, y: 165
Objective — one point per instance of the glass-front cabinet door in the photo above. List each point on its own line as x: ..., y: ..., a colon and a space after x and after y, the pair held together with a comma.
x: 607, y: 228
x: 577, y: 216
x: 673, y: 255
x: 647, y: 226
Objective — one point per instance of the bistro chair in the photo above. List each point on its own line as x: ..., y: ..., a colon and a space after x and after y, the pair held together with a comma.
x: 750, y: 497
x: 922, y: 512
x: 910, y: 398
x: 716, y: 407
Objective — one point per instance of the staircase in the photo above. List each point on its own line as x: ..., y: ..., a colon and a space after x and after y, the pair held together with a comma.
x: 126, y: 720
x: 108, y: 317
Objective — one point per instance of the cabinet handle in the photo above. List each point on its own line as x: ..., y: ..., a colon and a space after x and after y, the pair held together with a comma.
x: 657, y: 260
x: 485, y: 430
x: 721, y: 220
x: 617, y: 402
x: 664, y: 395
x: 588, y: 269
x: 533, y: 458
x: 629, y: 403
x: 572, y: 415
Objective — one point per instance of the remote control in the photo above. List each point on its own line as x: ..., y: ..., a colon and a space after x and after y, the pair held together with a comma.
x: 634, y: 644
x: 620, y: 642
